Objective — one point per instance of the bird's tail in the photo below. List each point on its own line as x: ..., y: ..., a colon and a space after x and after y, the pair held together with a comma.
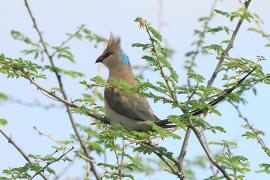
x: 167, y: 124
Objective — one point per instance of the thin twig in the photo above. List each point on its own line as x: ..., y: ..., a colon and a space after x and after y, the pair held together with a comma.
x: 254, y: 131
x: 122, y: 153
x: 213, y: 169
x: 230, y: 156
x: 160, y: 15
x: 68, y: 39
x: 183, y: 151
x: 119, y: 165
x: 210, y: 157
x: 35, y: 103
x: 10, y: 140
x: 161, y: 156
x: 62, y: 100
x: 172, y: 95
x: 200, y: 41
x: 49, y: 163
x: 50, y: 137
x: 64, y: 170
x: 228, y: 48
x: 81, y: 155
x: 186, y: 139
x: 258, y: 23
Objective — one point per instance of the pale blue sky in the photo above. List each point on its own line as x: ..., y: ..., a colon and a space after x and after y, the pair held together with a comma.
x: 55, y: 18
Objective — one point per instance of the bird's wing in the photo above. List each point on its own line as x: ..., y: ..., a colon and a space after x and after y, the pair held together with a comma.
x: 133, y: 106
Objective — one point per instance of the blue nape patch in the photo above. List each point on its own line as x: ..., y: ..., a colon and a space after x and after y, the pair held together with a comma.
x: 124, y: 58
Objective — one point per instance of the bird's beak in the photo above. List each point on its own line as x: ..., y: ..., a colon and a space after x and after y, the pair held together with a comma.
x: 99, y: 59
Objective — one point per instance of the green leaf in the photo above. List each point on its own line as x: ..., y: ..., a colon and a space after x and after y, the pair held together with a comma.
x: 155, y: 33
x: 252, y: 135
x: 224, y: 143
x: 16, y: 34
x: 3, y: 122
x: 19, y: 36
x: 265, y: 168
x: 63, y: 52
x: 195, y: 76
x: 223, y: 13
x: 255, y: 30
x: 3, y: 96
x: 95, y: 146
x: 143, y: 46
x: 217, y: 128
x: 234, y: 15
x: 138, y: 19
x: 163, y: 132
x: 3, y: 178
x: 179, y: 121
x: 99, y: 80
x: 50, y: 170
x: 214, y: 47
x: 16, y: 68
x: 216, y: 29
x: 245, y: 14
x: 71, y: 73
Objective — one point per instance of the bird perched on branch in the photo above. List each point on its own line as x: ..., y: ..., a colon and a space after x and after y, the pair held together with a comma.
x: 132, y: 110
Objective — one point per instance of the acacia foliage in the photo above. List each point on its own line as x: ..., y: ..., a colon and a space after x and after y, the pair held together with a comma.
x: 131, y: 150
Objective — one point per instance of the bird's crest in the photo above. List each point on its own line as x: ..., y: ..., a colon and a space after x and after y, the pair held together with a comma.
x: 113, y: 43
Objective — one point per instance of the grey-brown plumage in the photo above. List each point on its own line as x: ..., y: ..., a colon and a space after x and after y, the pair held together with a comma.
x: 130, y: 110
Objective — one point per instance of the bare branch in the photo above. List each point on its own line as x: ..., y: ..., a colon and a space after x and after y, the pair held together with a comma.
x: 183, y: 151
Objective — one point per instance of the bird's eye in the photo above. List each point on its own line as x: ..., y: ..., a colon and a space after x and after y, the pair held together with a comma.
x: 107, y: 54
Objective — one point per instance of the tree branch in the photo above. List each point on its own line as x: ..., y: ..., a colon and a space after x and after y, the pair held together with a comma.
x: 62, y: 100
x: 161, y: 156
x: 254, y: 131
x: 68, y: 39
x: 228, y: 48
x: 184, y: 149
x: 61, y: 86
x: 200, y: 41
x: 189, y: 69
x: 9, y: 139
x: 223, y: 55
x: 210, y: 157
x: 49, y: 163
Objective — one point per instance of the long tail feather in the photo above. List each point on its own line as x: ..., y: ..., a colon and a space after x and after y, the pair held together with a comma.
x: 167, y: 124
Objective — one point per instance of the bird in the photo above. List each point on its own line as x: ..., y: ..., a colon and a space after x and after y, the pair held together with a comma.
x: 132, y: 110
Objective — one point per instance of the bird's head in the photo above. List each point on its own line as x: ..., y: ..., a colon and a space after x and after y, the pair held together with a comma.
x: 113, y: 55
